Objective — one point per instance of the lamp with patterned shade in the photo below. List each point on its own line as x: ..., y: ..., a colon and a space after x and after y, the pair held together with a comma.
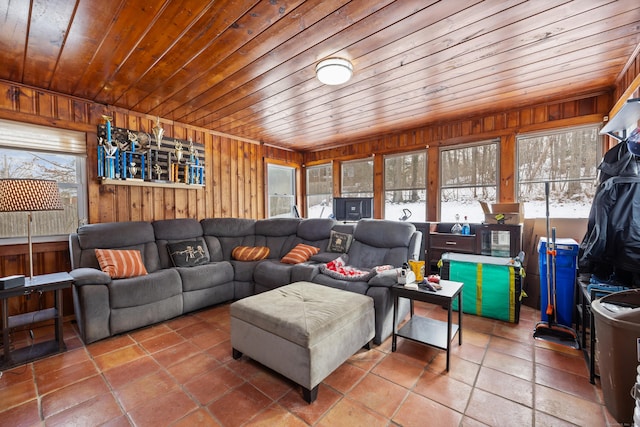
x: 29, y: 195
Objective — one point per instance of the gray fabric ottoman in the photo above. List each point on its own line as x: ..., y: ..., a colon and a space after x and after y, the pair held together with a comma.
x: 303, y: 330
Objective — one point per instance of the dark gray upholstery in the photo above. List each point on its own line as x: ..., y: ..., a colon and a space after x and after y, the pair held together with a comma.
x: 105, y: 307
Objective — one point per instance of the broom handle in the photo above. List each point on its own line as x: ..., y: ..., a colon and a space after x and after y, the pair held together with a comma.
x: 549, y: 304
x: 553, y: 275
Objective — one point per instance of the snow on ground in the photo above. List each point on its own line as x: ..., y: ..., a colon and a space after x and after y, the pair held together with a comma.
x: 473, y: 211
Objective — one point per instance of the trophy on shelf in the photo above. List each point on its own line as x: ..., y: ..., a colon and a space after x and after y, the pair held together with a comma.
x: 178, y: 151
x: 158, y: 171
x: 158, y: 132
x: 133, y: 169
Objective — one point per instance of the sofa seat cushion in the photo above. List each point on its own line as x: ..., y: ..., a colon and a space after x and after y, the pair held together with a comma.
x: 273, y: 273
x: 302, y: 312
x: 141, y: 290
x: 205, y: 276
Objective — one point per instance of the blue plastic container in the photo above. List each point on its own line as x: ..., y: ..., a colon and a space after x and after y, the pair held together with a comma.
x: 566, y: 269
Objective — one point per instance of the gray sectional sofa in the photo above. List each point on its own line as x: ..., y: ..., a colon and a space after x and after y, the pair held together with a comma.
x: 106, y: 306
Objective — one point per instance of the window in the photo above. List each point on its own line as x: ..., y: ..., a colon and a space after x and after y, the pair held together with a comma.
x: 320, y: 191
x: 30, y: 151
x: 568, y: 159
x: 468, y: 175
x: 281, y: 183
x: 405, y: 186
x: 357, y: 178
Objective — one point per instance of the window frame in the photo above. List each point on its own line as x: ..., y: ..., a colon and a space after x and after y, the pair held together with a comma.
x: 420, y: 217
x: 328, y: 206
x: 344, y: 193
x: 293, y: 170
x: 583, y: 180
x: 476, y: 215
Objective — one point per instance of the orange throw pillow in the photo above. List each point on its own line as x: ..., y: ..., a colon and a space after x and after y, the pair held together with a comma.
x: 250, y: 253
x: 120, y: 264
x: 300, y: 253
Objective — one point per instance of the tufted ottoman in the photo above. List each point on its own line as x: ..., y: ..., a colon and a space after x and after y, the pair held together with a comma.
x: 303, y: 330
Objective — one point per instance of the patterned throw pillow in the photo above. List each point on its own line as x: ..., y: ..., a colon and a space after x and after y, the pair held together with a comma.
x: 339, y: 242
x: 188, y: 253
x: 249, y: 253
x: 120, y: 264
x: 300, y: 253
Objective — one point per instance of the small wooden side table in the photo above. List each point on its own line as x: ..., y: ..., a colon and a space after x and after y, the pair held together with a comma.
x: 424, y: 330
x: 54, y: 282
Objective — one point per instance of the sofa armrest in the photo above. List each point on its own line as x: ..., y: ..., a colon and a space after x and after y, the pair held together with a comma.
x: 89, y: 276
x: 385, y: 278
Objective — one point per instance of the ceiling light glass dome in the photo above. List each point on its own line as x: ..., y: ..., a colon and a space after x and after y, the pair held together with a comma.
x: 334, y: 71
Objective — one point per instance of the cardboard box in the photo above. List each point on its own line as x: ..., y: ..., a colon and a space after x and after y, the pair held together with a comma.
x: 503, y: 213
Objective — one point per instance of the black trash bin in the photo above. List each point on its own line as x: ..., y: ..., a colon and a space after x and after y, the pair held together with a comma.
x: 617, y: 327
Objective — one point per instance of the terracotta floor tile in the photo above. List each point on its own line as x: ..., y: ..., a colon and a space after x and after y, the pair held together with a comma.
x: 274, y: 385
x: 53, y: 380
x: 210, y: 338
x: 175, y: 354
x: 513, y: 348
x: 26, y: 414
x: 568, y: 407
x: 212, y: 384
x: 366, y: 359
x: 92, y: 412
x: 222, y: 352
x: 565, y: 381
x: 546, y: 420
x: 200, y: 418
x: 16, y: 375
x: 490, y: 382
x: 379, y: 394
x: 505, y: 385
x: 110, y: 344
x: 182, y: 322
x: 349, y: 413
x: 494, y: 410
x: 275, y: 415
x: 72, y: 395
x: 163, y: 410
x: 17, y: 394
x: 444, y: 389
x: 398, y: 370
x: 418, y: 411
x: 310, y: 413
x: 162, y: 342
x: 122, y: 375
x: 197, y: 327
x: 459, y: 369
x: 144, y: 389
x: 119, y: 357
x: 469, y: 351
x: 239, y: 405
x: 60, y: 361
x: 345, y: 377
x: 196, y: 365
x: 562, y: 361
x: 148, y: 332
x: 509, y: 364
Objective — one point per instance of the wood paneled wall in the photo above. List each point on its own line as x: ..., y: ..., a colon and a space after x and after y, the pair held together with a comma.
x: 502, y: 125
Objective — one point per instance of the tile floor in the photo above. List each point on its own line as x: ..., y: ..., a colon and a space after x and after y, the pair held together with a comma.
x: 181, y: 373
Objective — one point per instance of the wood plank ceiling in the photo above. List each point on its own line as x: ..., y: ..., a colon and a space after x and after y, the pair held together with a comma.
x: 246, y: 68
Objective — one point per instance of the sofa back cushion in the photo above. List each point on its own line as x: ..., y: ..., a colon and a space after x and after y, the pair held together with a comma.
x: 224, y: 234
x: 135, y: 235
x: 383, y: 242
x: 175, y: 232
x: 279, y: 234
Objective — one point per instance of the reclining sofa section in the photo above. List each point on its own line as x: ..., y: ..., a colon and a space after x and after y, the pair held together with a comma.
x: 106, y: 306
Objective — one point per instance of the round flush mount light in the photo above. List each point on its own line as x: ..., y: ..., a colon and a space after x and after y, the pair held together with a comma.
x: 334, y: 71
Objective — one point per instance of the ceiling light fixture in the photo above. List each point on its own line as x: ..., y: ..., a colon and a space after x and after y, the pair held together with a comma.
x: 334, y: 71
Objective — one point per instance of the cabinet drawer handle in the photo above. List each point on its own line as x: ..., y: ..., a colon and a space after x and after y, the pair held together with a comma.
x: 451, y: 243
